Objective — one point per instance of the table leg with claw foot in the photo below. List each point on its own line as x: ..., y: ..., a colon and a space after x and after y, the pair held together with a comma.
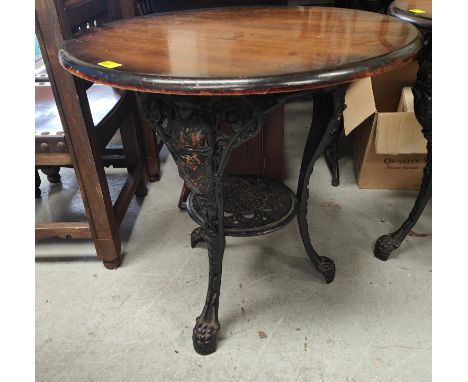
x: 327, y: 115
x: 386, y: 244
x: 422, y: 92
x: 207, y: 325
x: 191, y: 129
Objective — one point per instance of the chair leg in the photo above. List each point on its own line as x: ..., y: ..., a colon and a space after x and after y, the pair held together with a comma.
x: 77, y: 122
x: 151, y: 153
x: 99, y: 210
x: 38, y: 185
x: 109, y: 251
x: 184, y: 193
x: 101, y: 216
x: 150, y: 147
x: 53, y: 173
x: 132, y: 142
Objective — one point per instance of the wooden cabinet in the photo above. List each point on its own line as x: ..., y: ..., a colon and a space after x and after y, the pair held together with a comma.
x: 262, y: 155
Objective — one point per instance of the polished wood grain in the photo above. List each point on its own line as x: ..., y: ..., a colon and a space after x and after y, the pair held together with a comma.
x: 404, y: 10
x: 242, y: 50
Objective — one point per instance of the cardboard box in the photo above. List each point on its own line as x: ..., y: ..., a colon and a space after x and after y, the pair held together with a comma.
x: 389, y: 149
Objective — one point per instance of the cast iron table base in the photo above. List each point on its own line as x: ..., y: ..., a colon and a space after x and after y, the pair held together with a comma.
x: 200, y: 133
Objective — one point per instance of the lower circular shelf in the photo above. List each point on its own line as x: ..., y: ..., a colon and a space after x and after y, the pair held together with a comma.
x: 253, y: 205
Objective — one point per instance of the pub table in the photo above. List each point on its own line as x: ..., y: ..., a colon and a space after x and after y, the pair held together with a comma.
x: 207, y: 78
x: 418, y: 13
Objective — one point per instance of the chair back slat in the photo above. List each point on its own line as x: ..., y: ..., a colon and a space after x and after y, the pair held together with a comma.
x: 146, y: 7
x: 83, y: 15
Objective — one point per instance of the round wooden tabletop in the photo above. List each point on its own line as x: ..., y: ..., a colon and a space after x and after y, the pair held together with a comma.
x: 241, y: 50
x: 417, y: 12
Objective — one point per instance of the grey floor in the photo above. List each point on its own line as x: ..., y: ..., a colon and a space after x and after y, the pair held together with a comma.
x: 279, y: 320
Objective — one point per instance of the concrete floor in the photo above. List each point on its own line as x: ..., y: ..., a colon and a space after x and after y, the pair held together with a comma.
x: 279, y: 320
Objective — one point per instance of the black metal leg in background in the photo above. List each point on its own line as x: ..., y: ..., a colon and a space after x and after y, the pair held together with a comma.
x: 326, y: 121
x: 53, y: 173
x: 331, y: 154
x: 422, y: 91
x: 38, y: 184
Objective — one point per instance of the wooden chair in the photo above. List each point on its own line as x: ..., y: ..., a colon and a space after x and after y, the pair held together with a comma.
x: 81, y: 142
x: 81, y: 16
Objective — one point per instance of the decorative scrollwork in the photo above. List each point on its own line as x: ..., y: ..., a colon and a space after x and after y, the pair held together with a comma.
x: 201, y: 132
x: 253, y: 205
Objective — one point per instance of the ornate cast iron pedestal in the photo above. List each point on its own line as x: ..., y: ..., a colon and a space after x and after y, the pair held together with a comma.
x: 422, y: 92
x: 200, y: 133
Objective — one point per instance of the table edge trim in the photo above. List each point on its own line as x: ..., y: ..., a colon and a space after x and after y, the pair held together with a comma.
x: 240, y: 85
x: 420, y: 22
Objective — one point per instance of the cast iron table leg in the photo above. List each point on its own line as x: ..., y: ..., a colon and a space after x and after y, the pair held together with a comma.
x: 326, y: 120
x: 200, y: 133
x: 194, y: 130
x: 422, y: 91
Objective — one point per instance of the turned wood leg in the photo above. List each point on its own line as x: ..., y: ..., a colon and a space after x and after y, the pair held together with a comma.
x: 191, y: 129
x: 422, y: 92
x: 38, y: 185
x: 53, y: 173
x: 328, y: 109
x: 331, y: 154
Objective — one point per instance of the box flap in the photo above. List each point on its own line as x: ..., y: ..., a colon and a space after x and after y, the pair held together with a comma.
x: 359, y: 102
x: 399, y: 133
x: 406, y: 100
x: 387, y: 86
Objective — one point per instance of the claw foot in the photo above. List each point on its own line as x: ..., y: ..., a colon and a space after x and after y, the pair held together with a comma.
x: 198, y: 236
x: 327, y: 268
x: 204, y: 337
x: 384, y: 246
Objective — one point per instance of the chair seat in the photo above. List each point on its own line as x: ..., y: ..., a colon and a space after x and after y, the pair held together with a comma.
x: 48, y: 128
